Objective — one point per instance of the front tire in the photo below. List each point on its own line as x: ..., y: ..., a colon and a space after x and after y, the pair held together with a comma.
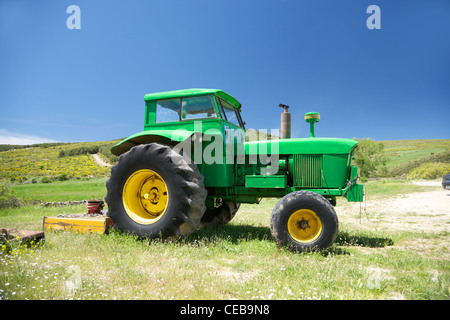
x: 154, y: 192
x: 304, y: 221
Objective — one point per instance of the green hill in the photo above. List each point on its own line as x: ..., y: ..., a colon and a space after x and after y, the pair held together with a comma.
x: 47, y: 162
x: 430, y: 156
x: 403, y: 151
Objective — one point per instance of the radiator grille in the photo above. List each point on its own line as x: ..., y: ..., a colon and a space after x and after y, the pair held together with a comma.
x: 307, y: 170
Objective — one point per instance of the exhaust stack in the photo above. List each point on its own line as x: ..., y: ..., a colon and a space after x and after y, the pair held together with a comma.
x: 285, y: 122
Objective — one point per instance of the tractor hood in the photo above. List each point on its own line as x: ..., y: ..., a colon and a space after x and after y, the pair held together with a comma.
x: 284, y: 146
x: 302, y: 146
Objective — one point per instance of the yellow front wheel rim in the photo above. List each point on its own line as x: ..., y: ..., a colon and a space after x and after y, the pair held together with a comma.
x: 145, y: 196
x: 304, y: 226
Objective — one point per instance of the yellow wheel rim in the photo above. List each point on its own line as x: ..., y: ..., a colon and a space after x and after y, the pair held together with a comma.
x: 304, y: 226
x: 145, y: 196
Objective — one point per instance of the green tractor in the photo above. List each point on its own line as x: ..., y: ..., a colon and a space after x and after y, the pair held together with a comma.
x: 192, y: 167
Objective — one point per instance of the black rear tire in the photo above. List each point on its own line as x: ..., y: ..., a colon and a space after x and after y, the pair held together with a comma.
x: 154, y: 192
x: 304, y: 221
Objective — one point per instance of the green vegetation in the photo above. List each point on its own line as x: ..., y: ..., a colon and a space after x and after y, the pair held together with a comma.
x: 407, y: 155
x: 6, y: 147
x: 7, y: 199
x: 402, y: 158
x: 384, y: 188
x: 369, y: 260
x: 429, y: 170
x: 404, y: 168
x: 235, y: 261
x: 59, y: 161
x: 370, y: 158
x: 90, y: 148
x: 71, y: 190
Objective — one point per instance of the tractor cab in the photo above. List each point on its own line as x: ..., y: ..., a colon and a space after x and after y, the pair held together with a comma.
x: 174, y: 116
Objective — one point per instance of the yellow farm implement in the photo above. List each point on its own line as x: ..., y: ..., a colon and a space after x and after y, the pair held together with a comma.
x: 92, y: 222
x: 77, y: 224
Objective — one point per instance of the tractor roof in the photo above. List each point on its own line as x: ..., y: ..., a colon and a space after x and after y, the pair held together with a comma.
x: 192, y: 92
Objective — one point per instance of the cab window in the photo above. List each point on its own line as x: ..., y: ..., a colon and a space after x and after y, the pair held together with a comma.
x: 197, y: 108
x: 168, y: 110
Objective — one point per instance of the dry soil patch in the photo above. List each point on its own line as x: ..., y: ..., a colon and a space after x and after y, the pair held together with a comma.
x: 420, y: 211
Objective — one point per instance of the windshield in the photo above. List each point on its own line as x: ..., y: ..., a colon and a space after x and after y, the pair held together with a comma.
x: 197, y: 108
x: 230, y: 113
x: 172, y: 110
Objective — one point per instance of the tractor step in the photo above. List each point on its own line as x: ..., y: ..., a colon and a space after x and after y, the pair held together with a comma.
x: 77, y: 223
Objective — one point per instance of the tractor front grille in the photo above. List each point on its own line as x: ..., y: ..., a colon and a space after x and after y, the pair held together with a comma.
x: 307, y: 170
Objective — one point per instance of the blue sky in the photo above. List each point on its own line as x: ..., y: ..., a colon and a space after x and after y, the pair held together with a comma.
x: 58, y: 84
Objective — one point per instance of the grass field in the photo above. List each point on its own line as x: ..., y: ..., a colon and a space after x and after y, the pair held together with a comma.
x: 71, y: 190
x: 235, y: 261
x: 384, y: 254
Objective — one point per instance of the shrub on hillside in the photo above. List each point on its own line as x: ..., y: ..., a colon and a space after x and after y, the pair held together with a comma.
x: 62, y: 177
x: 104, y: 149
x: 6, y: 197
x: 430, y: 170
x: 46, y: 180
x: 370, y: 158
x: 405, y: 168
x: 78, y: 151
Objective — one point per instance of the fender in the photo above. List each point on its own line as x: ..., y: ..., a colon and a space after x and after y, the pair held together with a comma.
x: 144, y: 137
x: 169, y: 137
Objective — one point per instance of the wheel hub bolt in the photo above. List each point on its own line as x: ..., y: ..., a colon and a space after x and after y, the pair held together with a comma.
x: 303, y: 224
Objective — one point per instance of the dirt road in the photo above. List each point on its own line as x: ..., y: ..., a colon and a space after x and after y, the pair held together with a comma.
x: 99, y: 161
x: 420, y: 211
